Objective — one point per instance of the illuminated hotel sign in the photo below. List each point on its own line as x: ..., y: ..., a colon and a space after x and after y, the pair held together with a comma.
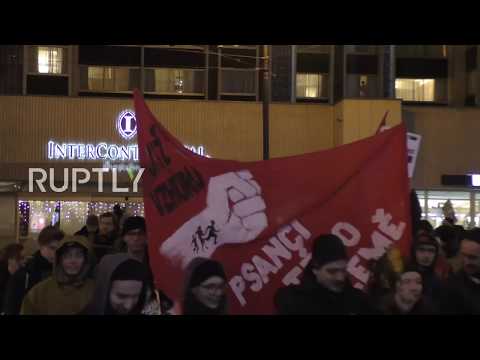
x: 127, y: 127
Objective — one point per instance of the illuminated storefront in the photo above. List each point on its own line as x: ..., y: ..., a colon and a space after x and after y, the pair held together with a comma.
x: 465, y: 203
x: 70, y: 210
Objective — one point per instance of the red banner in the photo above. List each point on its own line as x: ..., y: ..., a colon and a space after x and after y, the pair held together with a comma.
x: 259, y: 218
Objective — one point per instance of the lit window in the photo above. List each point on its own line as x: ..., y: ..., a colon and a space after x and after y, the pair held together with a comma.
x: 50, y: 60
x: 111, y: 79
x: 415, y: 89
x: 309, y: 85
x: 174, y: 81
x: 95, y: 78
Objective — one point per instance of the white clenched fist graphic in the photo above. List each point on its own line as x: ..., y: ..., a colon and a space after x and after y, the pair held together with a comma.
x: 235, y: 214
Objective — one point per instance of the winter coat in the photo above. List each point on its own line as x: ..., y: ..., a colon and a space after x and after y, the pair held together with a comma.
x: 103, y: 245
x: 35, y: 270
x: 59, y: 294
x: 462, y: 295
x: 422, y: 307
x: 310, y: 298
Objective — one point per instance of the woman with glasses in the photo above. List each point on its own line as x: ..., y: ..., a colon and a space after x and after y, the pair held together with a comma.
x: 205, y: 288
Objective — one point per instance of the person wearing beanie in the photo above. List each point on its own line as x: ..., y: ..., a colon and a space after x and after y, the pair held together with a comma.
x: 134, y: 243
x: 407, y: 296
x: 462, y: 294
x: 205, y: 288
x: 324, y: 288
x: 134, y: 238
x: 69, y: 288
x: 424, y: 257
x: 120, y: 287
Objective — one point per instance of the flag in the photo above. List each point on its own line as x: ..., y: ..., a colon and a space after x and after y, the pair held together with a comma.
x: 259, y: 219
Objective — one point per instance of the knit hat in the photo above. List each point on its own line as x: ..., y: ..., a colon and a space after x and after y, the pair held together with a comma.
x: 133, y: 223
x: 326, y: 249
x: 205, y: 270
x: 130, y: 270
x: 426, y: 238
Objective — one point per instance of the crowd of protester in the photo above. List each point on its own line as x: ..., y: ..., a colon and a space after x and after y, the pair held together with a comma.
x: 104, y: 269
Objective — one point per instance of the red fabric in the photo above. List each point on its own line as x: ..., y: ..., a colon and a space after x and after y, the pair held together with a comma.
x: 267, y: 213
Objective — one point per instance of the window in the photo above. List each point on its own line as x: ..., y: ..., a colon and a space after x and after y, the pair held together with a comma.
x: 415, y: 89
x: 311, y: 85
x: 175, y: 81
x: 50, y: 60
x: 238, y: 70
x: 421, y: 51
x: 34, y: 215
x: 109, y: 79
x: 314, y: 49
x: 238, y: 82
x: 432, y: 203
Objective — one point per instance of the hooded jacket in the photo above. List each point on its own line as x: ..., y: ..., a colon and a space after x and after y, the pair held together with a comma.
x: 99, y: 302
x: 60, y: 294
x: 432, y: 285
x: 311, y: 298
x: 190, y: 305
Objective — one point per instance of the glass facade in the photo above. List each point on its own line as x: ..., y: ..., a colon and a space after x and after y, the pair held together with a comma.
x: 467, y: 211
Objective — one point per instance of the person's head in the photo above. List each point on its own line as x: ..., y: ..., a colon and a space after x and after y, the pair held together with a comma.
x: 72, y: 260
x: 424, y: 225
x: 329, y: 262
x: 206, y: 287
x: 92, y: 223
x: 134, y: 234
x: 106, y: 224
x: 425, y: 250
x: 470, y: 252
x: 127, y: 288
x: 48, y: 241
x: 409, y: 287
x: 449, y: 237
x: 12, y: 256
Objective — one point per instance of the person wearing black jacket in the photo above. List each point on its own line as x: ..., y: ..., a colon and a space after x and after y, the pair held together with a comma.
x: 133, y: 242
x: 425, y: 251
x: 462, y: 294
x: 104, y: 241
x: 407, y: 297
x: 324, y: 288
x: 11, y: 260
x: 37, y: 269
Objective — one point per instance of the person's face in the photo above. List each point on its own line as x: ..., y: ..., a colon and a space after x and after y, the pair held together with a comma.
x: 425, y: 255
x: 124, y: 295
x: 409, y: 287
x: 332, y: 275
x: 211, y: 292
x: 106, y: 225
x: 72, y: 261
x: 470, y: 254
x: 48, y: 251
x: 136, y: 240
x: 14, y: 264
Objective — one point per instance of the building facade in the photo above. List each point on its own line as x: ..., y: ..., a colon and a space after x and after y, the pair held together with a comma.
x: 210, y: 97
